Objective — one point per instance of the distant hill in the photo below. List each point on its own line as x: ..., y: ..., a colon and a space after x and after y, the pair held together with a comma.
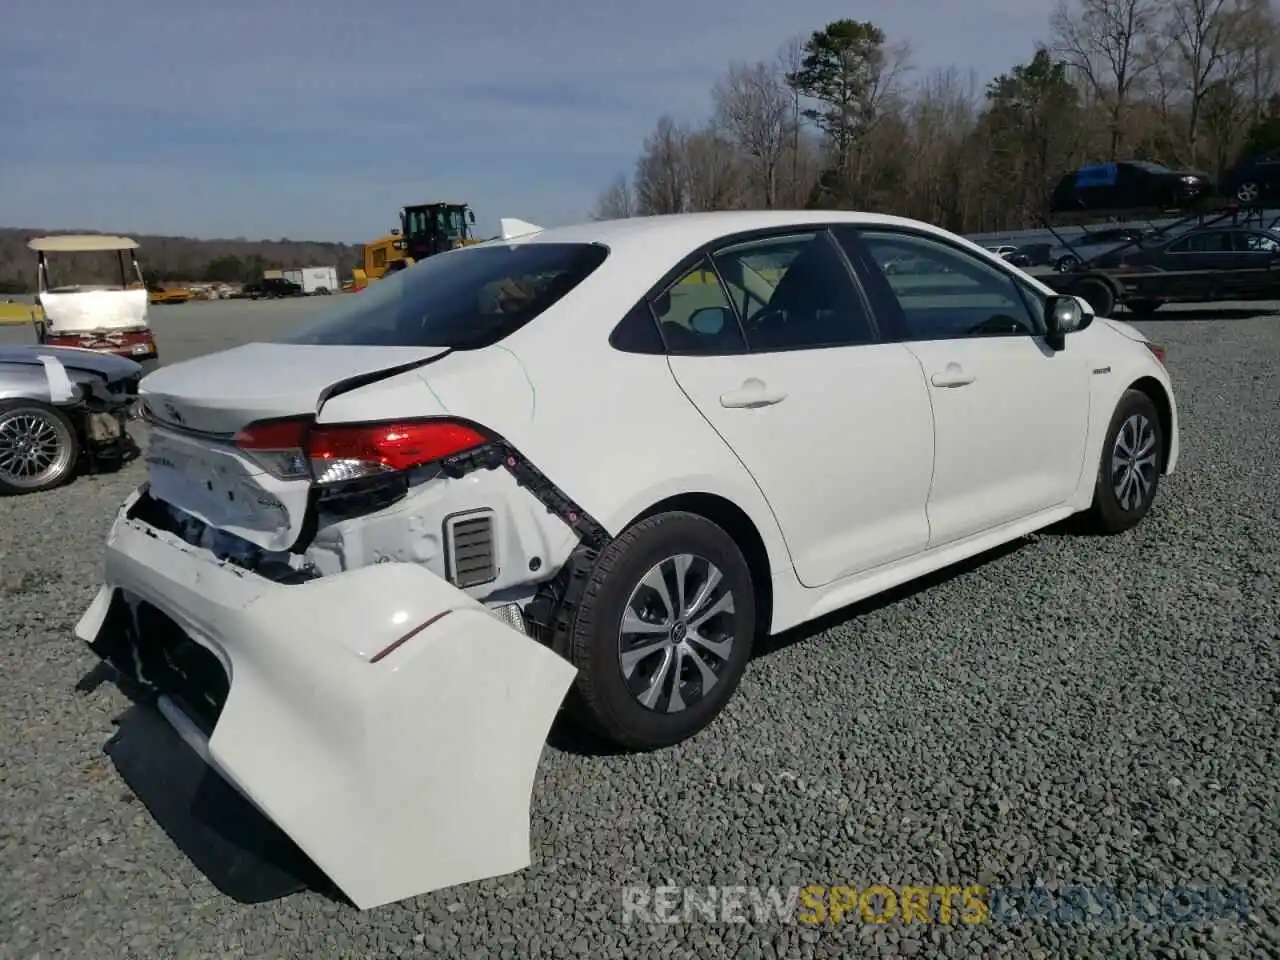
x: 169, y: 259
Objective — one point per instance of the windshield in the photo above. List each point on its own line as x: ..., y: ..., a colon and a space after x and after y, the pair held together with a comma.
x: 1149, y: 166
x: 463, y: 299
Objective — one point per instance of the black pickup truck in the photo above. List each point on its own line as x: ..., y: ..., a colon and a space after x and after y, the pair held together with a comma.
x: 1203, y: 264
x: 271, y: 288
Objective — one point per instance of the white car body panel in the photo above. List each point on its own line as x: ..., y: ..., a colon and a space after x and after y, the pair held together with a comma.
x: 368, y: 766
x: 866, y: 475
x: 865, y: 505
x: 995, y: 461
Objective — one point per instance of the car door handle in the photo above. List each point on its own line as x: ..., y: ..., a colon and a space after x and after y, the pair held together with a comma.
x: 752, y: 393
x: 953, y: 376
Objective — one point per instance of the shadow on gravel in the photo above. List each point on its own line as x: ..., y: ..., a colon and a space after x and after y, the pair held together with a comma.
x: 782, y: 641
x: 1200, y: 315
x: 242, y: 853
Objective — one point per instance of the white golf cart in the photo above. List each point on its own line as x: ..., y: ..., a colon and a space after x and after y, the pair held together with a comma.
x: 108, y: 318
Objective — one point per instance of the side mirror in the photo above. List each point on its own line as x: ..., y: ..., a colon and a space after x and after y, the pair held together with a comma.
x: 708, y: 321
x: 1064, y: 314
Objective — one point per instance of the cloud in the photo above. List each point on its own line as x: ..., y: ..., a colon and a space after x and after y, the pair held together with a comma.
x: 320, y: 118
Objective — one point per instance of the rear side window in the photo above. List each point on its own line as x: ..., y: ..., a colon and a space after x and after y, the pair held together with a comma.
x: 464, y: 299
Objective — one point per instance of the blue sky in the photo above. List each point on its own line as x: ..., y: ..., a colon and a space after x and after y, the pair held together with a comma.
x: 318, y: 119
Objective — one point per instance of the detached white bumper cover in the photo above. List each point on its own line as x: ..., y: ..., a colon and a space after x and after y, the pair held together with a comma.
x: 396, y: 776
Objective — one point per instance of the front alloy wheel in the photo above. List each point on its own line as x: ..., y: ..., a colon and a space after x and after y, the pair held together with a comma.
x: 1134, y: 471
x: 1248, y: 192
x: 1132, y: 463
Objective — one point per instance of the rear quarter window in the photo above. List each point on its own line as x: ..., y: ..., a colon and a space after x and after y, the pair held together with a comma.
x: 463, y: 299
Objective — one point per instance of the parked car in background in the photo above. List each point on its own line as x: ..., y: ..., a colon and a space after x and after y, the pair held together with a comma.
x: 1003, y: 250
x: 272, y: 288
x: 1201, y: 265
x: 1254, y: 180
x: 62, y: 408
x: 1129, y: 185
x: 1091, y: 244
x: 1031, y: 255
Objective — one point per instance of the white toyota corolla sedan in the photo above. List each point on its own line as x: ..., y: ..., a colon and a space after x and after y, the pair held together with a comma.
x: 371, y: 559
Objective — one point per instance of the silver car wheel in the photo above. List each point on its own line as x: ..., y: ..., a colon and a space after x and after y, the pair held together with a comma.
x: 36, y: 448
x: 677, y: 633
x: 1133, y: 463
x: 1247, y: 192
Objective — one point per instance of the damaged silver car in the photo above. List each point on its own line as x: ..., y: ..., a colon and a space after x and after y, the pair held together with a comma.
x: 62, y: 408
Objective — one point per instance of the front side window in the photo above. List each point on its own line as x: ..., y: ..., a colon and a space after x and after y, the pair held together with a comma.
x: 1210, y: 241
x: 463, y: 299
x: 950, y: 293
x: 1259, y: 243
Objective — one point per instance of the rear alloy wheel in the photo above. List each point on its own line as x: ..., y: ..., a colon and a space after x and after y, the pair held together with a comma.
x: 1129, y: 473
x: 38, y: 447
x: 663, y: 633
x: 1248, y: 192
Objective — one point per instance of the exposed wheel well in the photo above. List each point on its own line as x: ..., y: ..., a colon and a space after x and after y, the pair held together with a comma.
x: 730, y: 518
x: 1155, y: 391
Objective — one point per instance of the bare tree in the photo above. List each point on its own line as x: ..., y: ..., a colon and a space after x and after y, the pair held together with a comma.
x: 940, y: 119
x: 616, y: 202
x: 790, y: 60
x: 753, y: 108
x: 660, y: 170
x: 712, y: 171
x: 1202, y: 36
x: 1106, y: 42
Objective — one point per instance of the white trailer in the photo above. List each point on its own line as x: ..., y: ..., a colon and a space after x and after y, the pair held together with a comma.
x: 314, y: 280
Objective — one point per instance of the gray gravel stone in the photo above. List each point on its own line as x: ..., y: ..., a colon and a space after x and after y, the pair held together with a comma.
x: 1070, y: 712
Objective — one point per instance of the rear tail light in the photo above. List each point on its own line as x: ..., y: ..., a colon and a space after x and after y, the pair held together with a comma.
x: 331, y: 453
x: 1158, y: 351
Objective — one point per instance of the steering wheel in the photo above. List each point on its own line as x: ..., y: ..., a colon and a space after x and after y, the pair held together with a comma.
x: 767, y: 315
x: 999, y: 323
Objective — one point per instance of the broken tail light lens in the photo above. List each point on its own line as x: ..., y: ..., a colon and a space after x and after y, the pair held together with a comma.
x: 279, y: 446
x: 351, y: 451
x: 332, y: 453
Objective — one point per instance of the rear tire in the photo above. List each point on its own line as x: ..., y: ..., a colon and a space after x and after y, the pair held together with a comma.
x: 663, y: 633
x: 1143, y: 308
x: 1067, y: 263
x: 38, y: 447
x: 1129, y: 470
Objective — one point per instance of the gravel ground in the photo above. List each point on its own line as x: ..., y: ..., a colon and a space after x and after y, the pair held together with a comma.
x: 1076, y: 712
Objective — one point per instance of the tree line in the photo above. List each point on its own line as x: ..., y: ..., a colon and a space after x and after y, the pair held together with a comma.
x: 843, y: 119
x: 172, y: 260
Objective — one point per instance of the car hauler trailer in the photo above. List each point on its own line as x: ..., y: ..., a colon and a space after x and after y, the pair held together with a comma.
x: 1121, y: 275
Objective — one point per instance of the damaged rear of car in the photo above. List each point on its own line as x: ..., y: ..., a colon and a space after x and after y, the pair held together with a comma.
x: 299, y: 583
x: 62, y: 408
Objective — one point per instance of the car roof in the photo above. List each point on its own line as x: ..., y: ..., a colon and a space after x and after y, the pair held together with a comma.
x: 669, y: 233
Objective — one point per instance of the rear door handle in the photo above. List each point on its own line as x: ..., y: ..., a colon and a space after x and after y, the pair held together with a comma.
x: 953, y: 376
x: 753, y: 393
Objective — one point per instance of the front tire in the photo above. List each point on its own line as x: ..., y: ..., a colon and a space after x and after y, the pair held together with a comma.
x: 663, y: 633
x: 38, y: 447
x: 1129, y: 471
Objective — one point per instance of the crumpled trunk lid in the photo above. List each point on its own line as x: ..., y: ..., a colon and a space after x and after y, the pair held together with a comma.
x: 198, y: 405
